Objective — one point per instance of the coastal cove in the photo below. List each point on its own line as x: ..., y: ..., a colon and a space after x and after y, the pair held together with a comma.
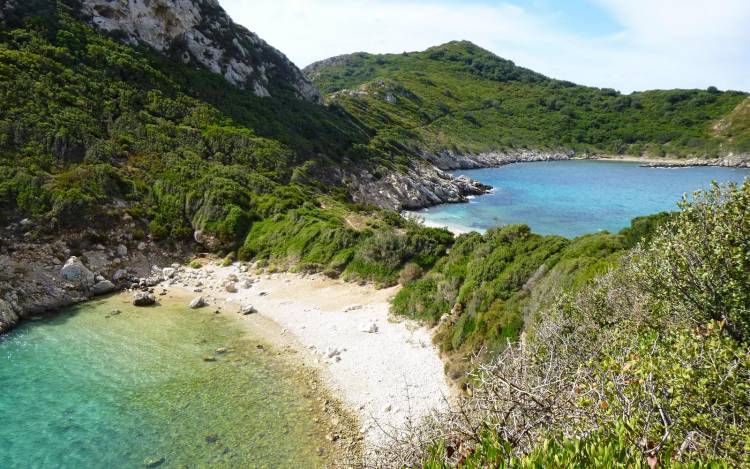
x: 163, y: 386
x: 575, y: 197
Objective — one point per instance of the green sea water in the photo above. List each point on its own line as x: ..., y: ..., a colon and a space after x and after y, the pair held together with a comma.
x: 86, y: 389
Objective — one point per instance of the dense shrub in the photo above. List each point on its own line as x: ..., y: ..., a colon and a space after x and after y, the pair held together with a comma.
x: 621, y: 373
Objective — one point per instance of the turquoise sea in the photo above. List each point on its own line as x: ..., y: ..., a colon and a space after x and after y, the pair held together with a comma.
x: 86, y: 389
x: 572, y: 198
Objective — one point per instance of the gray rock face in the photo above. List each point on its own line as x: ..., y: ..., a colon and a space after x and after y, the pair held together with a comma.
x: 421, y: 185
x: 120, y: 275
x: 78, y: 274
x: 200, y: 32
x: 8, y: 316
x: 103, y: 287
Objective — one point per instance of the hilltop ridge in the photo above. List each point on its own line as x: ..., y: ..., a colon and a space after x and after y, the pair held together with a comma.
x: 459, y: 99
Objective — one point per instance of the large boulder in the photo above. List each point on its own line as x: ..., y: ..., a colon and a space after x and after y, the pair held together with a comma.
x: 103, y: 287
x: 143, y: 298
x: 78, y: 274
x: 8, y: 316
x: 168, y: 272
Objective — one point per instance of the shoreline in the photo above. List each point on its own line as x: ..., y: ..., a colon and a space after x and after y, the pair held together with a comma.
x: 457, y: 230
x: 386, y: 372
x: 730, y: 161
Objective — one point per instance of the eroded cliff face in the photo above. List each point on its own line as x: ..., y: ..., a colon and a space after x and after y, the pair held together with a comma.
x: 200, y: 32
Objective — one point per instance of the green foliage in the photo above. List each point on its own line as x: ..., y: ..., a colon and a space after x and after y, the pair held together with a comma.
x: 90, y: 126
x: 622, y: 371
x: 488, y: 284
x: 700, y: 261
x: 323, y: 240
x: 600, y: 449
x: 460, y: 97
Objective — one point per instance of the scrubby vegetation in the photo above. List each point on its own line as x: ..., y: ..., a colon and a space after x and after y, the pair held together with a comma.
x: 488, y: 286
x: 371, y: 246
x: 648, y: 365
x: 462, y: 98
x: 86, y: 121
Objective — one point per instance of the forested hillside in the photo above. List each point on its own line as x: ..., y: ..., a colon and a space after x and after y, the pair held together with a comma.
x: 99, y: 135
x: 462, y: 98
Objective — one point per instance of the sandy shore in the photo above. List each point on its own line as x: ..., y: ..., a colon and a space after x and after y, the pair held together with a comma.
x: 386, y: 371
x: 637, y: 159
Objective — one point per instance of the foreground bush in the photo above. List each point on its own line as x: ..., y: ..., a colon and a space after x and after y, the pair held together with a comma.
x: 646, y: 365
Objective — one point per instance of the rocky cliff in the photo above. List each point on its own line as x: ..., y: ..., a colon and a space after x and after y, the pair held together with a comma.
x: 193, y: 31
x: 200, y: 31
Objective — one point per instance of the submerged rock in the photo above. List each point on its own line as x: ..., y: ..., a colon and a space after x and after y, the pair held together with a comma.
x: 154, y: 462
x: 198, y: 302
x: 142, y: 298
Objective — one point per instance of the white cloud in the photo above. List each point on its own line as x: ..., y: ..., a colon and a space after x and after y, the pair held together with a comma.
x: 662, y: 43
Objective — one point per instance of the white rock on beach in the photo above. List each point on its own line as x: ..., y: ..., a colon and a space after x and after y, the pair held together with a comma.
x: 168, y: 272
x: 370, y: 327
x: 198, y: 302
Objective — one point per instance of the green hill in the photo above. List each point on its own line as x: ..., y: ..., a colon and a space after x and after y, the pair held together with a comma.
x: 462, y: 98
x: 96, y: 135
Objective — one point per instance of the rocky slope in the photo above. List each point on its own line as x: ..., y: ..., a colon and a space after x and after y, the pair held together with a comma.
x: 193, y: 31
x: 418, y: 186
x: 37, y: 276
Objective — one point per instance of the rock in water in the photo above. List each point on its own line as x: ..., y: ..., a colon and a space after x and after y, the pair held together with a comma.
x: 248, y: 309
x: 143, y: 298
x: 154, y: 462
x: 230, y: 287
x: 75, y: 272
x: 198, y: 302
x: 103, y: 287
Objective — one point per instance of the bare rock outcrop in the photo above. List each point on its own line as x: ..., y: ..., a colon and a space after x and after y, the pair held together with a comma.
x: 201, y: 32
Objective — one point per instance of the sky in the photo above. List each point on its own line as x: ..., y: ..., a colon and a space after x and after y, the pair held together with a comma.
x: 629, y: 45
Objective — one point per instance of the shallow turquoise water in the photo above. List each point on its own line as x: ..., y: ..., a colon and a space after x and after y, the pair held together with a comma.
x: 88, y: 390
x: 571, y: 198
